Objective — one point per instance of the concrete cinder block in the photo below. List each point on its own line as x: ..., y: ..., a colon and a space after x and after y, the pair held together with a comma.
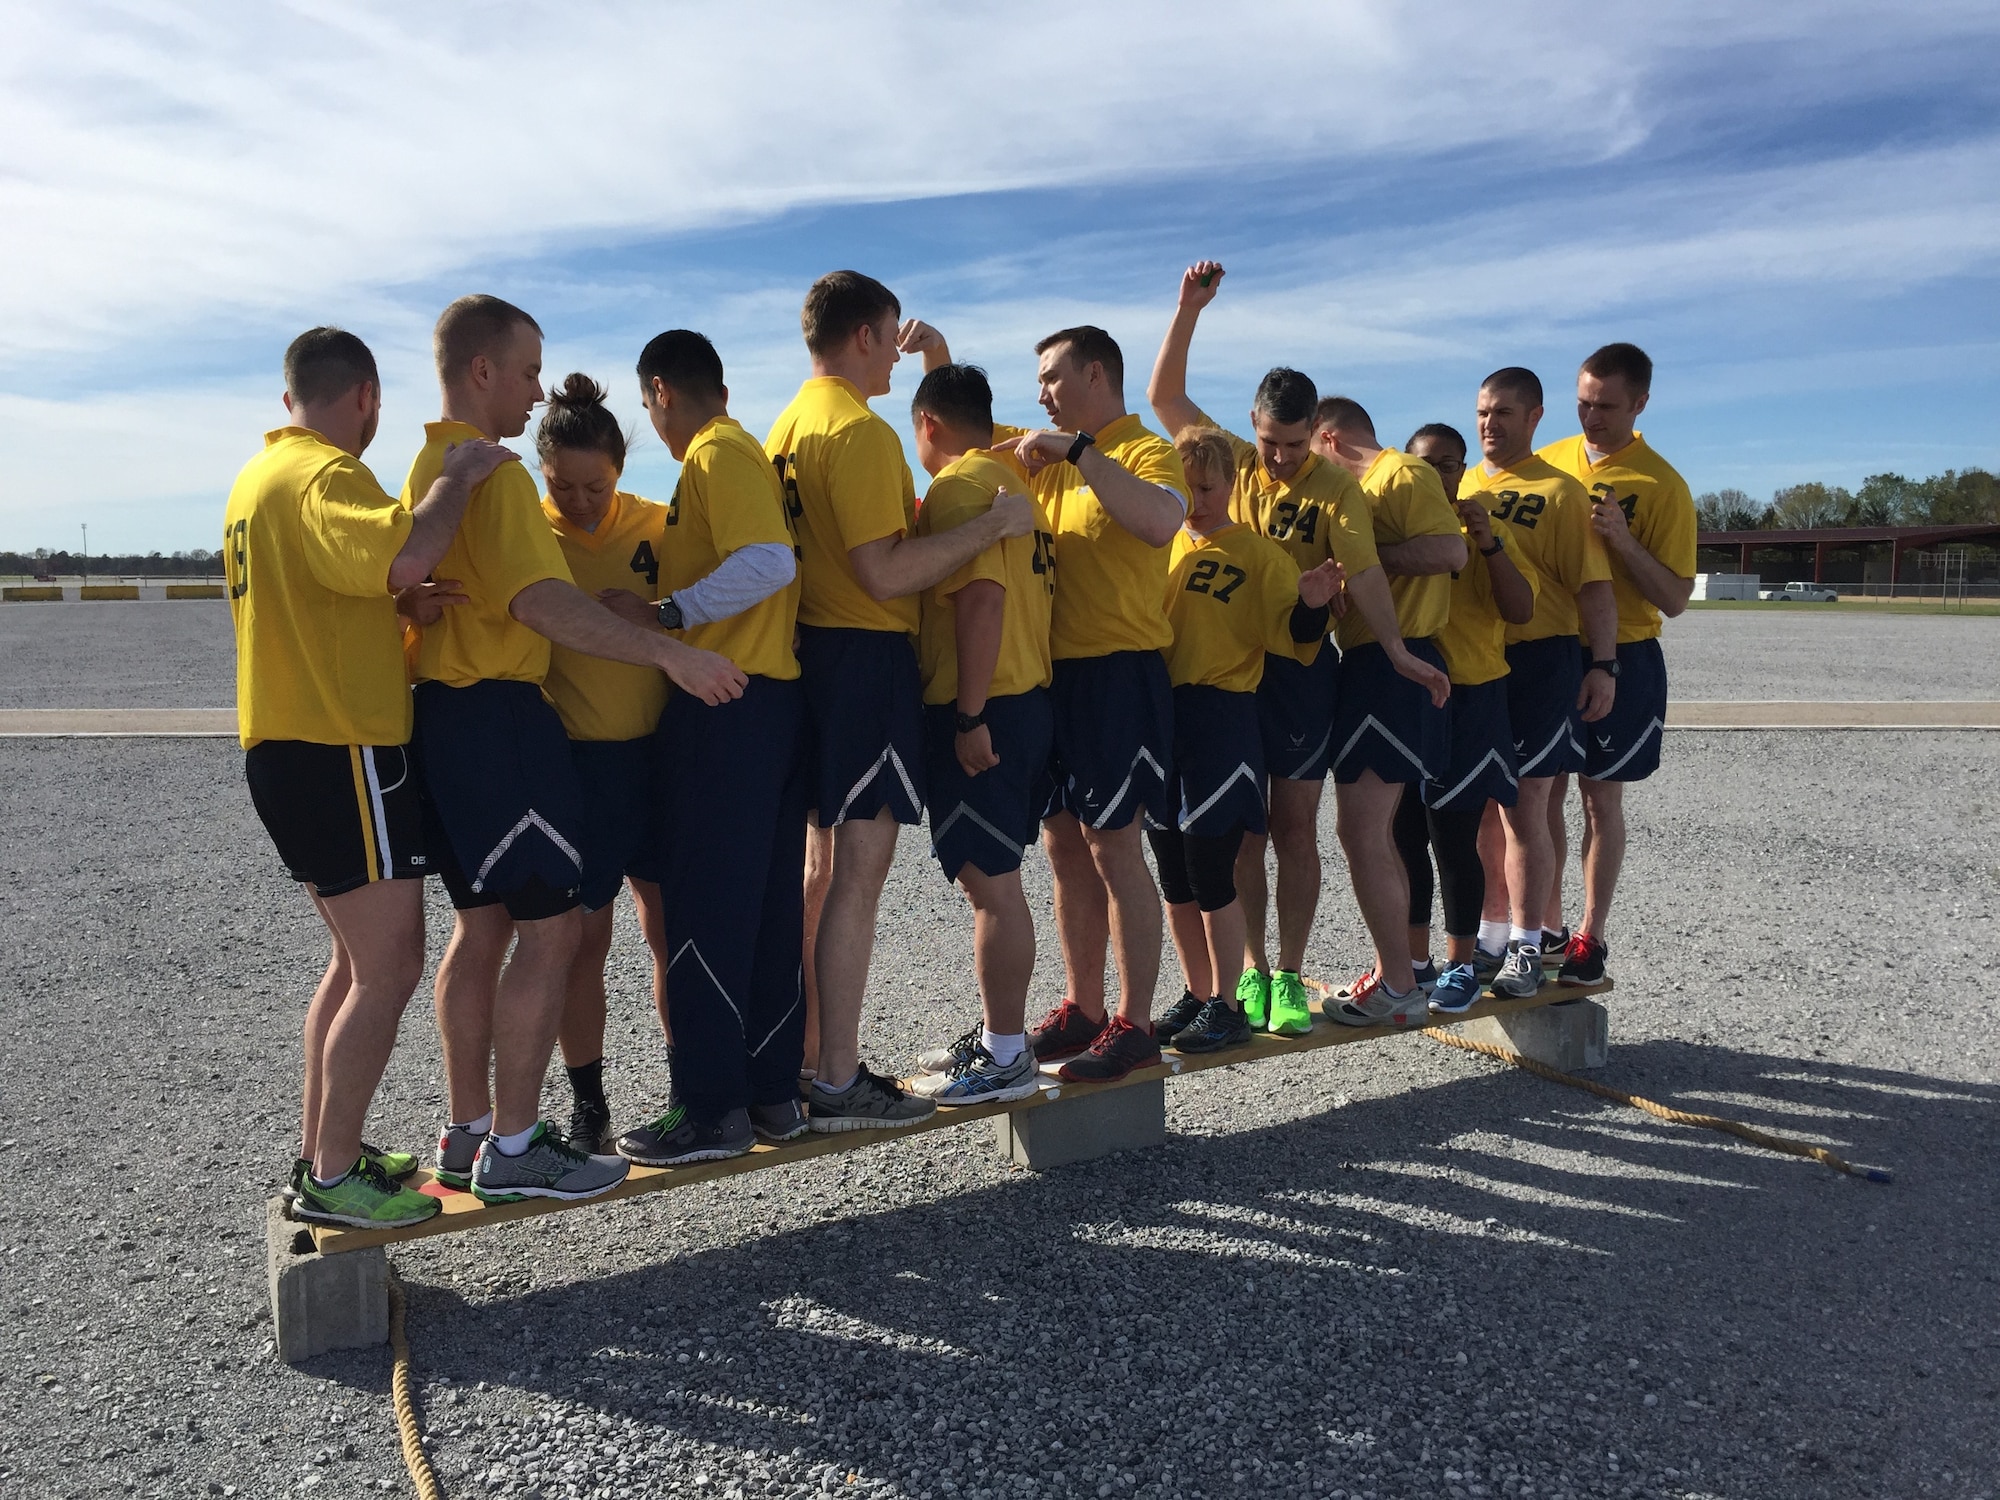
x: 1573, y: 1036
x: 1085, y: 1126
x: 321, y: 1302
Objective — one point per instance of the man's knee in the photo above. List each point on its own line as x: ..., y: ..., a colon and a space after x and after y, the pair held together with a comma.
x: 550, y: 939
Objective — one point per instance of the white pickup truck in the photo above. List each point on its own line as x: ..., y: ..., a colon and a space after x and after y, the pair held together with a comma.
x: 1806, y: 593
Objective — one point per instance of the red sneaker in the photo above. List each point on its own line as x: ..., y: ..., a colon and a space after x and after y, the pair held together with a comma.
x: 1583, y: 960
x: 1120, y: 1047
x: 1063, y: 1032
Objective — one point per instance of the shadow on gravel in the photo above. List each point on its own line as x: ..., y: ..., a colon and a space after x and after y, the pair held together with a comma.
x: 1492, y: 1282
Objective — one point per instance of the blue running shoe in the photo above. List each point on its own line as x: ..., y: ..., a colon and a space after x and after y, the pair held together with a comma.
x: 1457, y: 990
x: 981, y: 1080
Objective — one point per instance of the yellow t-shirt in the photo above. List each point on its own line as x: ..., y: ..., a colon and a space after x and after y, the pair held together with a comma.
x: 1549, y: 516
x: 599, y: 699
x: 845, y: 484
x: 1022, y: 565
x: 1657, y: 507
x: 1318, y: 513
x: 729, y: 497
x: 503, y: 545
x: 1474, y: 638
x: 1230, y: 597
x: 1405, y: 499
x: 307, y: 540
x: 1109, y: 584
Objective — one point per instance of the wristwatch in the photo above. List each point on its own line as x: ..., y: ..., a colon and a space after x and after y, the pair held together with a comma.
x: 1498, y: 546
x: 969, y: 722
x: 670, y: 614
x: 1083, y: 441
x: 1608, y: 668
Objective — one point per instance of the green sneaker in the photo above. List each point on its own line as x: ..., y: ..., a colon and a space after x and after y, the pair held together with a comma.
x: 364, y: 1199
x: 1291, y: 1013
x: 1253, y: 993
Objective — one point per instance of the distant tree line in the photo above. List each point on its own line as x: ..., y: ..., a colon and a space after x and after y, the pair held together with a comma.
x: 195, y: 564
x: 1953, y: 498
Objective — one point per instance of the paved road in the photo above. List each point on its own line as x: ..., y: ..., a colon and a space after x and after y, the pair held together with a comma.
x: 179, y: 655
x: 1377, y: 1271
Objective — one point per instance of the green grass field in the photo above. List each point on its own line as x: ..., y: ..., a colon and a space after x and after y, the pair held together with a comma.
x: 1861, y: 606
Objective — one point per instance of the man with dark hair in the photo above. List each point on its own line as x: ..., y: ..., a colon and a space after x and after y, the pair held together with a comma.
x: 1547, y: 686
x: 502, y: 799
x: 316, y: 552
x: 861, y: 567
x: 733, y: 778
x: 1115, y: 496
x: 984, y: 653
x: 1390, y: 729
x: 1314, y: 510
x: 1642, y: 511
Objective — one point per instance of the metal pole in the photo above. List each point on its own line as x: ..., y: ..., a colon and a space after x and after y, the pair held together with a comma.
x: 86, y: 552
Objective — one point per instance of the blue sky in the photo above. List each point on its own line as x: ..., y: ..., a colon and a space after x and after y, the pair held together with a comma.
x: 1797, y: 212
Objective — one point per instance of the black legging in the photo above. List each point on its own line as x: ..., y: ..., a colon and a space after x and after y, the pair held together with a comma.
x: 1455, y: 837
x: 1196, y: 867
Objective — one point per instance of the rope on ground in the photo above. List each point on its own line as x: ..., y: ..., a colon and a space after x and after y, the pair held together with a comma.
x: 402, y: 1388
x: 1736, y: 1128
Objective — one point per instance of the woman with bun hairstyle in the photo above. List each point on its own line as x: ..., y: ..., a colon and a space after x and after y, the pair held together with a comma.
x: 612, y: 541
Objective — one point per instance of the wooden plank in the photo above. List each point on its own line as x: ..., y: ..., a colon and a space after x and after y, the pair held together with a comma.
x: 463, y: 1211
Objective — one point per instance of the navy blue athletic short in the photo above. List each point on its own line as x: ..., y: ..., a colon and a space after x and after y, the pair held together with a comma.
x: 1218, y: 761
x: 1480, y: 765
x: 619, y: 783
x: 987, y: 820
x: 1385, y: 723
x: 1114, y: 740
x: 1295, y: 704
x: 502, y: 816
x: 1624, y: 745
x: 342, y: 816
x: 864, y: 724
x: 1543, y: 679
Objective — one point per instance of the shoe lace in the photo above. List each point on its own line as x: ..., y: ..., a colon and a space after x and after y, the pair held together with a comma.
x: 1365, y: 986
x: 865, y: 1074
x: 371, y: 1174
x: 968, y: 1061
x: 1058, y: 1017
x: 1580, y: 944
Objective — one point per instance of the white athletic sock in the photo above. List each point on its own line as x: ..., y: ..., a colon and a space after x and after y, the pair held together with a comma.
x: 329, y: 1182
x: 1527, y: 937
x: 476, y: 1127
x: 515, y: 1144
x: 1004, y: 1048
x: 1397, y: 994
x: 836, y: 1088
x: 1493, y: 936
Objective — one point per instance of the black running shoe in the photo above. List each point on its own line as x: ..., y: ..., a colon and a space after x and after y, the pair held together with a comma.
x: 1180, y: 1015
x: 1219, y: 1025
x: 1120, y: 1047
x: 1583, y: 963
x: 589, y: 1121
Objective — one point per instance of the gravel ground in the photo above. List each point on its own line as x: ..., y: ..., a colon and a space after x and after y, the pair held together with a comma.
x: 80, y: 655
x: 1383, y: 1270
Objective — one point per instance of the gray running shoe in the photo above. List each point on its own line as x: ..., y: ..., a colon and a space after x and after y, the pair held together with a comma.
x: 1522, y: 976
x: 1368, y: 1004
x: 549, y: 1168
x: 1485, y: 965
x: 677, y: 1139
x: 981, y: 1080
x: 948, y: 1057
x: 784, y: 1121
x: 871, y: 1102
x: 458, y: 1150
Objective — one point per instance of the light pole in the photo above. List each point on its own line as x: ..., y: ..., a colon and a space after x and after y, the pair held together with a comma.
x: 86, y: 552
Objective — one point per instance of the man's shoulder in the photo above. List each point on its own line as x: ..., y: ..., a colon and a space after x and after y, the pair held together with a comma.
x: 1647, y: 460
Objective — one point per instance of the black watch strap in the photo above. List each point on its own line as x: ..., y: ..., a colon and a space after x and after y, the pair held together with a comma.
x: 1608, y: 668
x: 1083, y: 441
x: 1498, y: 546
x: 670, y: 614
x: 969, y: 722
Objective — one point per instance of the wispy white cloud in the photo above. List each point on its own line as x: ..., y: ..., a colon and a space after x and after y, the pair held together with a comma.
x: 183, y: 183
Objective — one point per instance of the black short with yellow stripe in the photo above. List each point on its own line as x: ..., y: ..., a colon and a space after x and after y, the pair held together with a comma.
x: 342, y: 816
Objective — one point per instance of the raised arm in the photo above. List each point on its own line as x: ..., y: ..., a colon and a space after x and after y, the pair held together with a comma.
x: 1513, y: 595
x: 435, y: 520
x: 1664, y: 589
x: 918, y: 337
x: 1167, y: 390
x: 569, y: 617
x: 1151, y: 512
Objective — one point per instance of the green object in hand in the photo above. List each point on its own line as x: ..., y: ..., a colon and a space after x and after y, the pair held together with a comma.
x: 1207, y: 278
